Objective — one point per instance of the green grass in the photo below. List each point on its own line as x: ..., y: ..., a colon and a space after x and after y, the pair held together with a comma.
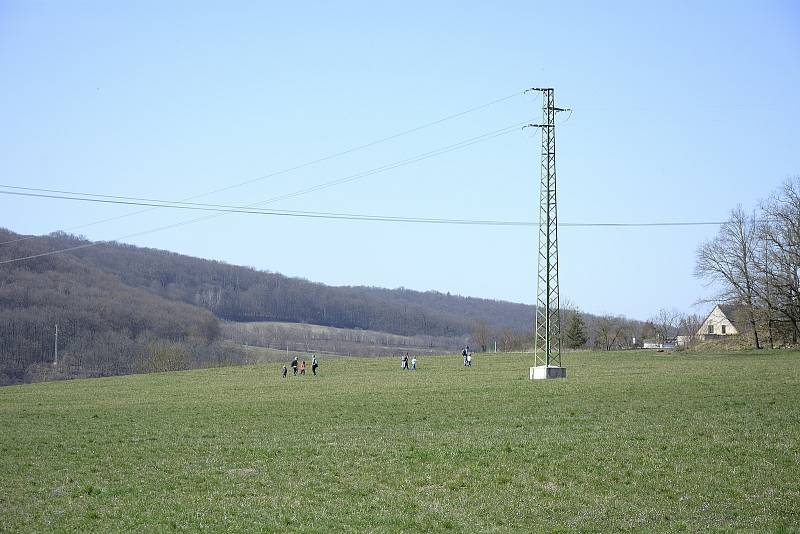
x: 631, y: 441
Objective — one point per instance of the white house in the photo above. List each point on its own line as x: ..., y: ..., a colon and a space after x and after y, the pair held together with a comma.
x: 720, y: 322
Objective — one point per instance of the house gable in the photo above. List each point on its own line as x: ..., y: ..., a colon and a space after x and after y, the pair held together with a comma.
x: 717, y: 324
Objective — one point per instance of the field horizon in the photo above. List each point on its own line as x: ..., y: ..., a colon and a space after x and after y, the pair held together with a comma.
x: 630, y: 441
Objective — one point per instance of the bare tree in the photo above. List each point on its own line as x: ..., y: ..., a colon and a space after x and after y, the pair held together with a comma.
x: 626, y: 333
x: 780, y: 259
x: 607, y: 331
x: 481, y: 334
x: 666, y: 323
x: 689, y: 324
x: 508, y: 340
x: 730, y: 260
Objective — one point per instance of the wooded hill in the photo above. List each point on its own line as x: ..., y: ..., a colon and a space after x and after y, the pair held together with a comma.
x: 123, y: 309
x: 245, y: 294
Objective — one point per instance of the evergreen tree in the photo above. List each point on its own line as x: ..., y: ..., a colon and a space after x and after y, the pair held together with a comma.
x: 576, y: 332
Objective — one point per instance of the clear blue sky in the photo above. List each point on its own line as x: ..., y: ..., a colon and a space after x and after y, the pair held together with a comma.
x: 682, y: 111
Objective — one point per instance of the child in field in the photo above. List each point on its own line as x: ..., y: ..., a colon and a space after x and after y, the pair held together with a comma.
x: 303, y: 368
x: 294, y: 366
x: 469, y: 360
x: 414, y: 363
x: 464, y: 354
x: 314, y: 364
x: 284, y: 371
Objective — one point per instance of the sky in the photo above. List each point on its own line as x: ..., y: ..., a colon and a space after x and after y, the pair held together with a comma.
x: 681, y: 111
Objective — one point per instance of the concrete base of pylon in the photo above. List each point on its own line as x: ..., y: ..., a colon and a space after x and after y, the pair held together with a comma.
x: 543, y: 372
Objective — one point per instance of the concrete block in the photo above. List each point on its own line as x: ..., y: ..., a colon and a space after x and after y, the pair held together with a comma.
x: 543, y: 372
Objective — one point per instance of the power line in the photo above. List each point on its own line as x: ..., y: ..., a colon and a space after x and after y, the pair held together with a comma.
x: 350, y: 178
x: 226, y: 208
x: 325, y: 185
x: 289, y: 213
x: 363, y: 217
x: 331, y: 183
x: 414, y: 159
x: 306, y: 164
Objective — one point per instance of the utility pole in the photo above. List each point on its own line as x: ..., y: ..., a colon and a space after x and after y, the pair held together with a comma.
x: 55, y: 348
x: 547, y: 342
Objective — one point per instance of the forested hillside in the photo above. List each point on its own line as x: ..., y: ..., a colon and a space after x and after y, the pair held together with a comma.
x: 105, y: 326
x: 244, y: 294
x: 123, y: 309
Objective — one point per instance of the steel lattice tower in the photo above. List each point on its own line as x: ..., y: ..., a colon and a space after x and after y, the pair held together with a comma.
x: 547, y: 345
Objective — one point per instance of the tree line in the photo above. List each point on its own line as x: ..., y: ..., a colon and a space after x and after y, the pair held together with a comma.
x: 578, y: 331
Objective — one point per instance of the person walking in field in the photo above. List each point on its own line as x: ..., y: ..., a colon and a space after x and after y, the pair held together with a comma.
x: 284, y: 371
x: 314, y: 364
x: 414, y: 363
x: 294, y: 366
x: 469, y: 360
x: 303, y: 368
x: 464, y: 354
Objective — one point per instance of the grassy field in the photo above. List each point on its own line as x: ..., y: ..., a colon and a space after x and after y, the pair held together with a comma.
x: 631, y: 441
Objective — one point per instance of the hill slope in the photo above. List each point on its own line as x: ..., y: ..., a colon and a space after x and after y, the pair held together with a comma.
x: 244, y: 294
x: 124, y: 309
x: 105, y: 327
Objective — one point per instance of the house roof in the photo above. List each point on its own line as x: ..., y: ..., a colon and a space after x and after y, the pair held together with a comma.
x: 730, y: 310
x: 736, y: 314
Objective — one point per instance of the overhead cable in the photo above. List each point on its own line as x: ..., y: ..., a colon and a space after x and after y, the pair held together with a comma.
x: 225, y: 208
x: 420, y: 157
x: 305, y: 164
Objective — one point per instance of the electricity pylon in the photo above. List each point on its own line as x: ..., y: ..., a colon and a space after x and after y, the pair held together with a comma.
x: 547, y: 344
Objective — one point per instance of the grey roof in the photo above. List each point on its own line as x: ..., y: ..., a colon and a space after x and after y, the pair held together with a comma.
x: 736, y: 314
x: 731, y: 310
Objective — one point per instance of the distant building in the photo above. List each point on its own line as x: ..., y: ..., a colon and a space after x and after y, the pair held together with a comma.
x: 720, y: 322
x: 666, y: 344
